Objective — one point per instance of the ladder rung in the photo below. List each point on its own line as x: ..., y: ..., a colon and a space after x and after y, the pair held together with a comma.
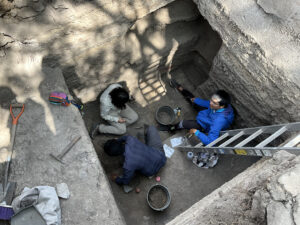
x: 250, y: 138
x: 272, y: 137
x: 199, y: 145
x: 238, y: 135
x: 293, y: 127
x: 293, y: 142
x: 217, y: 140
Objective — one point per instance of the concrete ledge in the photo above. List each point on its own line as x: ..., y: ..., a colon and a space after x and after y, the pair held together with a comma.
x: 45, y: 128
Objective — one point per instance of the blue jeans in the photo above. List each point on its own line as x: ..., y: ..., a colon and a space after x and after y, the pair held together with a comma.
x: 152, y: 138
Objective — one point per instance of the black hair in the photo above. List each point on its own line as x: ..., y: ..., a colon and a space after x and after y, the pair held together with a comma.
x: 114, y: 147
x: 225, y: 98
x: 119, y: 97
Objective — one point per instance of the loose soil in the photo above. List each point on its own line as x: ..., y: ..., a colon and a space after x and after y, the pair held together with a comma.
x: 157, y: 197
x: 164, y: 118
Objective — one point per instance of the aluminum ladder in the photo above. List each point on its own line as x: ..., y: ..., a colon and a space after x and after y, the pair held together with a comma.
x: 247, y: 135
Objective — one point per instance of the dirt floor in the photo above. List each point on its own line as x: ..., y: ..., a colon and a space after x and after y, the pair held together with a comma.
x: 187, y: 183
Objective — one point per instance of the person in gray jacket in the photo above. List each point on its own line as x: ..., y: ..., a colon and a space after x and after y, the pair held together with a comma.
x: 115, y: 111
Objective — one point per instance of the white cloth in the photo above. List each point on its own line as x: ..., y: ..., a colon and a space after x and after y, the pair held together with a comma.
x: 168, y: 150
x: 176, y: 141
x: 45, y: 201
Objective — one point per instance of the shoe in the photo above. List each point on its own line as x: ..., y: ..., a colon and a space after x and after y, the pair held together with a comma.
x: 174, y: 84
x: 94, y: 131
x: 127, y: 188
x: 173, y: 128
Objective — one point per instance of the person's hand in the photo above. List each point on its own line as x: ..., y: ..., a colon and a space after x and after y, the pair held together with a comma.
x: 121, y: 120
x: 192, y: 99
x: 192, y: 131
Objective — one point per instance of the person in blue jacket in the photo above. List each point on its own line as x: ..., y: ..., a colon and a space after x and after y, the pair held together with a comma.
x: 147, y: 159
x: 216, y: 115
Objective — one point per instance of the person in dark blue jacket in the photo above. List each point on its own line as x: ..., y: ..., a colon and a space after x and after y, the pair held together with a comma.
x: 217, y: 114
x: 146, y: 159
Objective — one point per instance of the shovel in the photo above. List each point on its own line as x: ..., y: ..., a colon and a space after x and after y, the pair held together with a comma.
x: 9, y: 187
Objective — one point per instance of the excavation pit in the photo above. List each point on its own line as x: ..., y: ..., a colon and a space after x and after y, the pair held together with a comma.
x: 95, y: 43
x: 190, y: 66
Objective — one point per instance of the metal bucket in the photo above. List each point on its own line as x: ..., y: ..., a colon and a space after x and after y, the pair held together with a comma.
x: 165, y: 115
x: 167, y: 196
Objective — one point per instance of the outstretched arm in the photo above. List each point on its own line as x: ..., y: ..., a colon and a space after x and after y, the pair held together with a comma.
x: 126, y: 177
x: 201, y: 102
x: 212, y: 135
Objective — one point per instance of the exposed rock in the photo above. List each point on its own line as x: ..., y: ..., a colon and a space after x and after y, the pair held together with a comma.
x: 20, y: 3
x: 280, y: 9
x: 296, y: 213
x: 276, y: 191
x: 13, y: 12
x: 260, y: 200
x: 277, y: 214
x: 5, y: 39
x: 291, y: 181
x: 38, y: 6
x: 287, y: 11
x: 283, y: 156
x: 5, y: 6
x: 248, y: 65
x: 2, y: 53
x: 176, y: 12
x: 27, y: 12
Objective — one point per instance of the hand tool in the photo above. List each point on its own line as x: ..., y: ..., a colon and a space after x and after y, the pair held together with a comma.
x: 12, y: 140
x: 9, y: 188
x: 66, y: 150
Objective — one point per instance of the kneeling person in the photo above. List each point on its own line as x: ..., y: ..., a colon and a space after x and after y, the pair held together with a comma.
x: 115, y: 110
x: 146, y: 159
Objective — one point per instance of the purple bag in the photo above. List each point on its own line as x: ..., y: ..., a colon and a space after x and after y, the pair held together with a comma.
x: 59, y: 98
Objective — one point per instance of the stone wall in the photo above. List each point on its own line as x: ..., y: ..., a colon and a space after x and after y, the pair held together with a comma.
x: 98, y: 42
x: 258, y: 61
x: 266, y: 193
x: 154, y: 39
x: 84, y: 38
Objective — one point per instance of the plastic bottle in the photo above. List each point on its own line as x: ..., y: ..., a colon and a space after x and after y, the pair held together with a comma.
x: 190, y: 155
